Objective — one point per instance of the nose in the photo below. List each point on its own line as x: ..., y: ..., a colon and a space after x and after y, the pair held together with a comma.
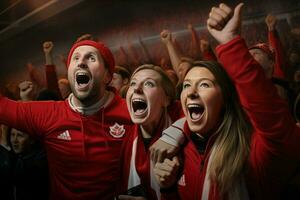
x: 193, y: 94
x: 82, y: 65
x: 138, y: 89
x: 14, y: 139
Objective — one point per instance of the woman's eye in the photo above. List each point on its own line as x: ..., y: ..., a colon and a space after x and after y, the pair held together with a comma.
x: 204, y: 85
x: 186, y: 85
x: 132, y: 84
x: 149, y: 84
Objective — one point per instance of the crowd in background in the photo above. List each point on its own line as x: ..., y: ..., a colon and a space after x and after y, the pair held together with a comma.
x: 174, y: 55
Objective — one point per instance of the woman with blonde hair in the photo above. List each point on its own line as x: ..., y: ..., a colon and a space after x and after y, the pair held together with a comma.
x: 229, y: 154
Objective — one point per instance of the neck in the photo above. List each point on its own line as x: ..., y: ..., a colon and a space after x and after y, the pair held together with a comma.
x: 149, y: 129
x: 146, y: 131
x: 92, y: 106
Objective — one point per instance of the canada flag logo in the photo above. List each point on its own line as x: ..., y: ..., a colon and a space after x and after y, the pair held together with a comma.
x: 117, y: 131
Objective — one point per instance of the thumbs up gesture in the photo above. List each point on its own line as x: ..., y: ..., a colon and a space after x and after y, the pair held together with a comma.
x: 223, y: 23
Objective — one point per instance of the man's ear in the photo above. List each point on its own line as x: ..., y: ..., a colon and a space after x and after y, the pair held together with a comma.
x: 125, y: 81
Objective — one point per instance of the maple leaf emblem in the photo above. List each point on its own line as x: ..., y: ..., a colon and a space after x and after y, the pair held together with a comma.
x: 117, y: 131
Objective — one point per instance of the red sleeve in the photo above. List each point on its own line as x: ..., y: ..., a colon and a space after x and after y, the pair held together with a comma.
x: 209, y: 55
x: 51, y: 77
x: 268, y: 113
x: 280, y: 62
x: 34, y: 118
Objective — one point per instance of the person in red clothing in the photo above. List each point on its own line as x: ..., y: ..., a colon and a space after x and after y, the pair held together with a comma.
x: 271, y: 56
x: 152, y: 107
x: 262, y: 53
x: 240, y: 156
x: 281, y: 64
x: 272, y: 59
x: 82, y: 135
x: 50, y: 69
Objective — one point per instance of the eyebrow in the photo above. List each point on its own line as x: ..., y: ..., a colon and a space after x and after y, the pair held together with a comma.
x: 88, y: 53
x: 134, y: 79
x: 201, y: 79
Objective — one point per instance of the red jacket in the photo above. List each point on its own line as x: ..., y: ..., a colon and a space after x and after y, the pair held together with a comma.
x: 274, y: 147
x: 83, y: 151
x: 142, y: 163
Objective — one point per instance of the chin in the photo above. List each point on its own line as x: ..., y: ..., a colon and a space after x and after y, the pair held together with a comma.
x: 195, y: 127
x: 138, y: 121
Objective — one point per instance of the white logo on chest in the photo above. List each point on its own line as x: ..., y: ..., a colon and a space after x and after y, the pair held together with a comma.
x: 181, y: 181
x: 117, y: 131
x: 64, y: 136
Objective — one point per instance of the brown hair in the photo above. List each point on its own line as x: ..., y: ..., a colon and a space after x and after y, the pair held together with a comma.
x: 232, y: 145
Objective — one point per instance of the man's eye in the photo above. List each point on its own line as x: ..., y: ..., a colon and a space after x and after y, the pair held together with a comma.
x: 92, y: 58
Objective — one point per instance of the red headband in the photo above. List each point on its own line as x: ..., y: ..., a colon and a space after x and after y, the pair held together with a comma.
x: 103, y: 50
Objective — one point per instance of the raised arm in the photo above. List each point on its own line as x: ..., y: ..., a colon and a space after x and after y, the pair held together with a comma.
x: 268, y: 113
x: 166, y: 38
x: 51, y: 76
x: 195, y: 45
x: 275, y: 43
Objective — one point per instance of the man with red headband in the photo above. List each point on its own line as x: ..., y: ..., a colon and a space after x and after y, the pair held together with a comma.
x: 83, y: 134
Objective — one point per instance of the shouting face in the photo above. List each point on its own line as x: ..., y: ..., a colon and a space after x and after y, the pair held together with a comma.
x: 87, y: 75
x: 201, y: 100
x: 146, y: 98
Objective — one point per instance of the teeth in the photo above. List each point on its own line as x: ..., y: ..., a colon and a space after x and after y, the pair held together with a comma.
x: 82, y: 73
x: 139, y: 106
x: 194, y: 106
x: 138, y: 100
x: 195, y: 111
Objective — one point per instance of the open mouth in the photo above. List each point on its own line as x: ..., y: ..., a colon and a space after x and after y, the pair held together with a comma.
x: 195, y: 111
x: 82, y: 79
x: 139, y: 106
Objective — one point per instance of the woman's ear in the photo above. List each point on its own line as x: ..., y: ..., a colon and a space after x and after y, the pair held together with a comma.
x: 107, y: 77
x: 167, y: 101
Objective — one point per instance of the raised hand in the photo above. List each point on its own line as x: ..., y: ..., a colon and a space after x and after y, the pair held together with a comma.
x: 48, y: 46
x: 166, y: 36
x: 26, y: 90
x: 271, y: 21
x: 223, y: 23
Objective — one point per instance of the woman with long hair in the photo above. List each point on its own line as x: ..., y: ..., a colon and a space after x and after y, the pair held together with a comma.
x: 241, y: 141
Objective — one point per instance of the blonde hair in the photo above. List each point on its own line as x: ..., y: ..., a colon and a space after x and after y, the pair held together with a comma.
x: 232, y: 145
